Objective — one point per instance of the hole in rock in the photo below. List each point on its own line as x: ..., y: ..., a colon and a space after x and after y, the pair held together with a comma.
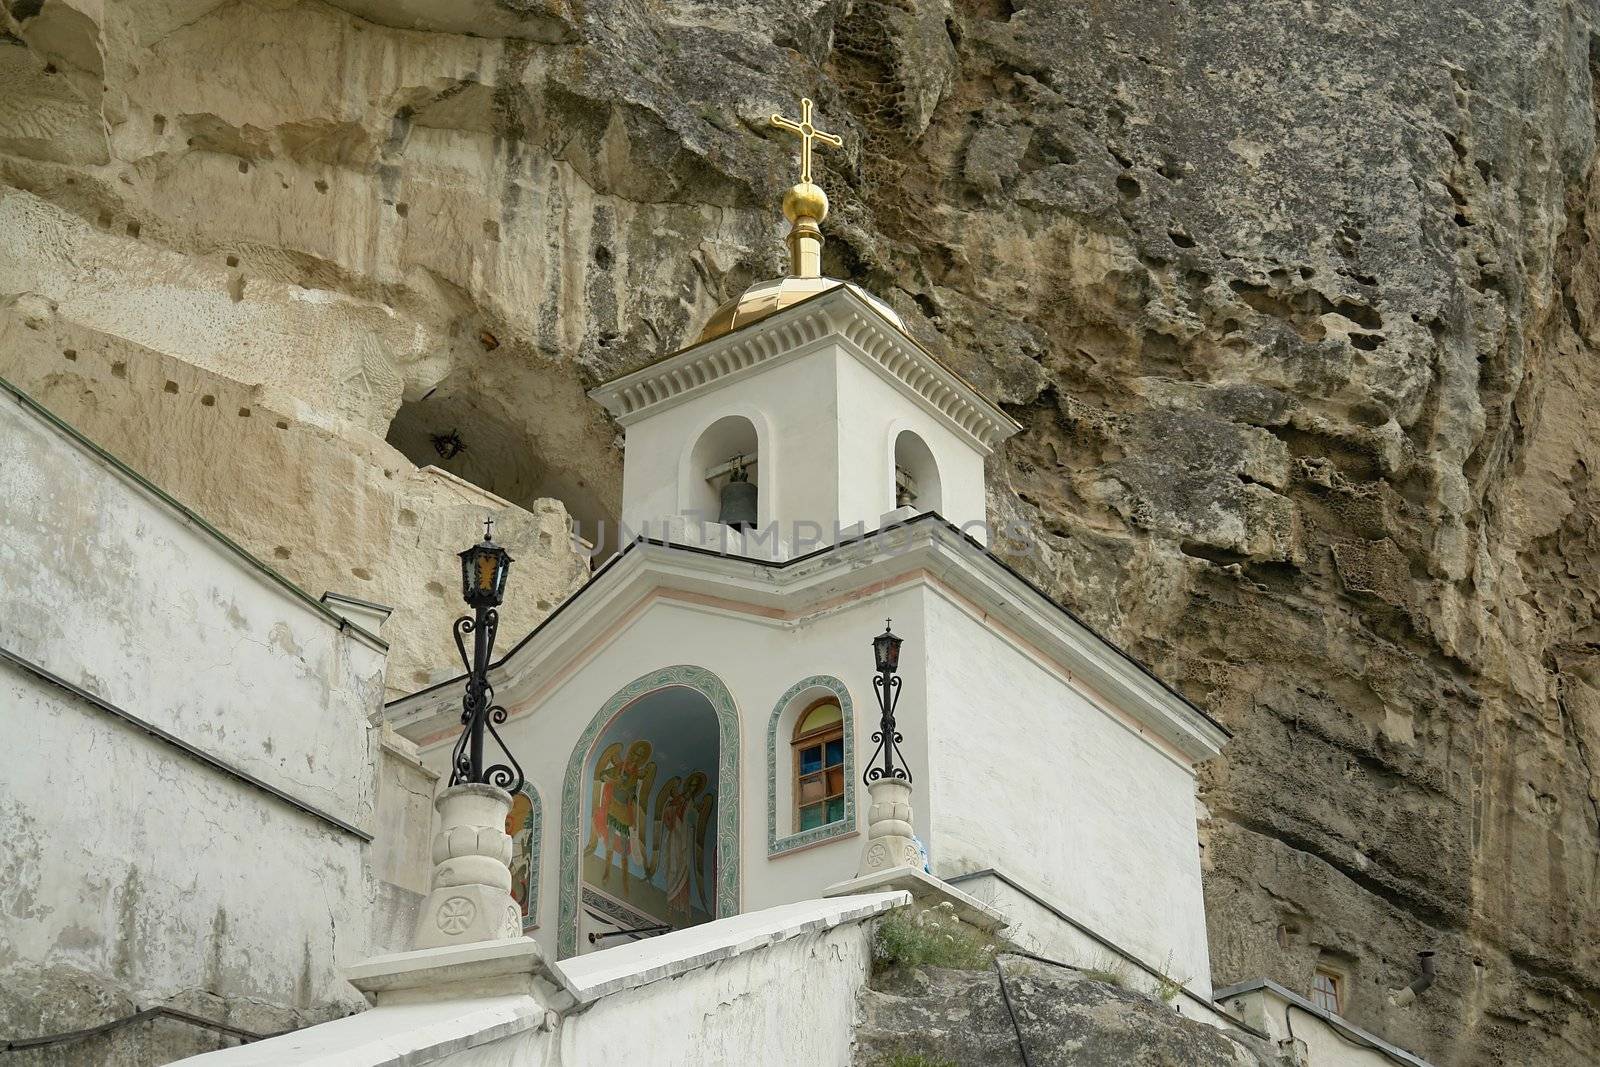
x: 159, y: 124
x: 208, y: 401
x: 486, y: 439
x: 133, y: 229
x: 1181, y: 239
x: 119, y: 370
x: 1128, y: 187
x: 70, y: 353
x: 321, y: 186
x: 244, y: 167
x: 170, y: 387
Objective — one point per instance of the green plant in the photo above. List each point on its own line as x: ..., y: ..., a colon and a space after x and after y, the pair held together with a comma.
x: 916, y: 1059
x: 1168, y: 987
x: 1109, y: 969
x: 931, y: 937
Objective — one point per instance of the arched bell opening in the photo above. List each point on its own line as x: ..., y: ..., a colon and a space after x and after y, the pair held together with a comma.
x: 723, y: 479
x: 916, y: 474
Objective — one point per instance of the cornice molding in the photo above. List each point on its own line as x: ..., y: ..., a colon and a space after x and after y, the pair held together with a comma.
x: 839, y: 312
x: 787, y: 595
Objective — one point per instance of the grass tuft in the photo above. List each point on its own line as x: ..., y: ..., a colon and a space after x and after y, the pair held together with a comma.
x: 931, y: 937
x: 916, y: 1059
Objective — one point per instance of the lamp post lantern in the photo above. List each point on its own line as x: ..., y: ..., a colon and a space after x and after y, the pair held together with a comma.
x: 484, y: 567
x: 886, y: 687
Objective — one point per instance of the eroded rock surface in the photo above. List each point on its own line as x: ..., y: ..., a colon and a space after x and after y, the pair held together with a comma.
x: 1297, y: 302
x: 1059, y: 1016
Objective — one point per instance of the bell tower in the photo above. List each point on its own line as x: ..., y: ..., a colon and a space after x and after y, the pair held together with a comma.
x: 803, y: 413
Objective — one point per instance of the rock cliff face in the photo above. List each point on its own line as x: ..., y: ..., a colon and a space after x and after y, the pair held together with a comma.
x: 1297, y: 301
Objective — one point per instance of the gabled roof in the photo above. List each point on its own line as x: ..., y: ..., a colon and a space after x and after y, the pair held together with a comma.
x: 842, y: 311
x: 928, y: 543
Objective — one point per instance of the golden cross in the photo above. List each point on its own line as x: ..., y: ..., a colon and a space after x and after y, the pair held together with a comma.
x: 808, y: 133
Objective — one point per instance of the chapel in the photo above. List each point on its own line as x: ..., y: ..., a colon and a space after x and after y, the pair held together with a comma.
x: 699, y: 725
x: 803, y: 697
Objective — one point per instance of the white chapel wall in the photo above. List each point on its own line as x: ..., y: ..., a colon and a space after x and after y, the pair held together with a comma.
x: 758, y: 660
x: 137, y: 874
x: 1031, y: 778
x: 791, y: 407
x: 872, y: 414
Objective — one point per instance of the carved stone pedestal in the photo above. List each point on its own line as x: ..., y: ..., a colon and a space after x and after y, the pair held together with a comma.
x: 889, y: 841
x: 471, y: 896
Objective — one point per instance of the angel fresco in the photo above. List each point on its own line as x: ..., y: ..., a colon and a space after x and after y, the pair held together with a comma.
x: 675, y: 809
x: 622, y: 785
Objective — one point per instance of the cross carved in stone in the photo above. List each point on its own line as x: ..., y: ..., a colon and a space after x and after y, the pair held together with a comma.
x: 808, y: 133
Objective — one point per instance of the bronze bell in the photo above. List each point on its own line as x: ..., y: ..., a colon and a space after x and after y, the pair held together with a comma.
x: 738, y: 499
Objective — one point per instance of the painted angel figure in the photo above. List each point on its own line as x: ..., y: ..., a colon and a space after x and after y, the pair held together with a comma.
x: 673, y: 837
x: 704, y: 815
x: 622, y: 785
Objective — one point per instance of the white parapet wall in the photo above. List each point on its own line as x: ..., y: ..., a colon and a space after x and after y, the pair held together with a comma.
x: 782, y: 984
x: 186, y: 786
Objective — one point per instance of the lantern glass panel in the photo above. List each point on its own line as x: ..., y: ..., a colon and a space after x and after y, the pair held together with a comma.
x: 886, y: 649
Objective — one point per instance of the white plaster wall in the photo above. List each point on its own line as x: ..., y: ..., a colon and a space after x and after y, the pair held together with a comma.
x: 758, y: 659
x: 793, y: 1002
x: 116, y: 592
x: 134, y: 876
x: 1028, y: 776
x: 791, y: 404
x: 134, y: 873
x: 872, y: 412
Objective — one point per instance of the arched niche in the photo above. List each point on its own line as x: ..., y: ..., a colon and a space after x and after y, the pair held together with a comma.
x: 783, y: 835
x: 670, y: 696
x: 525, y: 825
x: 710, y: 461
x: 915, y: 477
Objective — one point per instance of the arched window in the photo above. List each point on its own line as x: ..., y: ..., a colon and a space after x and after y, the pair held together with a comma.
x: 819, y: 777
x: 916, y: 475
x: 727, y: 449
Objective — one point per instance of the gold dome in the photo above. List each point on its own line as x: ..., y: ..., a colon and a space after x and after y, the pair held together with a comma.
x: 805, y: 201
x: 770, y: 297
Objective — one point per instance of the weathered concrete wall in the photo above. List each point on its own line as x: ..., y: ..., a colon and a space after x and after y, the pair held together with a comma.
x: 135, y: 873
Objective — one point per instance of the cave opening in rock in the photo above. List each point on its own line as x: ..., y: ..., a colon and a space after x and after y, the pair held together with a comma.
x: 475, y: 438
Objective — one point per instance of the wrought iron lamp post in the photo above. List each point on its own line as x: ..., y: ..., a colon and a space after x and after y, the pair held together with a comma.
x: 891, y: 843
x: 886, y: 686
x: 483, y: 586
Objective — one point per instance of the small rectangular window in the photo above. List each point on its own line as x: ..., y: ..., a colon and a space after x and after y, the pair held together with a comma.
x: 1325, y: 990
